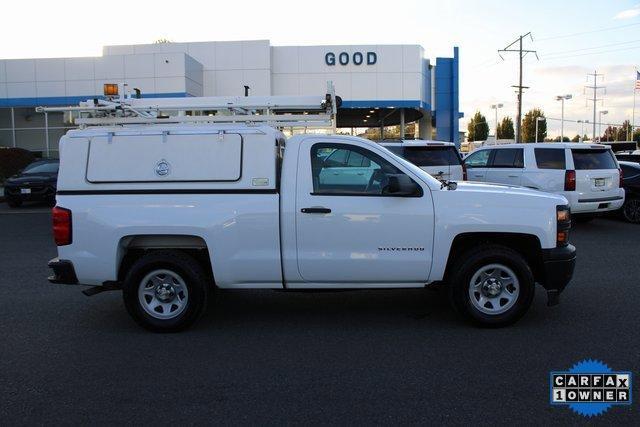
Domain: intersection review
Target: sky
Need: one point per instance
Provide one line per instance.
(572, 38)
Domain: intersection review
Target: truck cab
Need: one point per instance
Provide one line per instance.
(169, 212)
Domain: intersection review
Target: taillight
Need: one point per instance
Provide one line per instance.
(570, 180)
(621, 181)
(464, 172)
(61, 226)
(563, 224)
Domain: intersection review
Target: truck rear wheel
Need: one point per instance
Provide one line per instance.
(165, 291)
(491, 285)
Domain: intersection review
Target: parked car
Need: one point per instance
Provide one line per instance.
(588, 175)
(629, 156)
(36, 182)
(631, 183)
(440, 159)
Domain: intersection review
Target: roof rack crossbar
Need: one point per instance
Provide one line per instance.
(286, 111)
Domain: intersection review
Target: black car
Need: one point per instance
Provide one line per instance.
(36, 182)
(631, 184)
(629, 157)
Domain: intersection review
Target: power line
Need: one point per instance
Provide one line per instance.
(592, 48)
(590, 53)
(521, 54)
(561, 36)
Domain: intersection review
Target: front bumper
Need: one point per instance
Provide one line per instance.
(37, 192)
(559, 264)
(63, 272)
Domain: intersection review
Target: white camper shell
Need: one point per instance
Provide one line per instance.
(169, 156)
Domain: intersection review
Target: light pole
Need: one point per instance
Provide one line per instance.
(538, 120)
(562, 98)
(600, 123)
(495, 107)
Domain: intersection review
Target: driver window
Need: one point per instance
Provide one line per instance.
(340, 169)
(477, 159)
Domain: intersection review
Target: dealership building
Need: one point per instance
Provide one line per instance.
(380, 85)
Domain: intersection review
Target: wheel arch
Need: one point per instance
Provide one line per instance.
(132, 247)
(528, 245)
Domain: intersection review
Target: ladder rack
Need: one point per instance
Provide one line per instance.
(277, 111)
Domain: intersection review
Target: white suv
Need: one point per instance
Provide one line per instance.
(439, 159)
(588, 175)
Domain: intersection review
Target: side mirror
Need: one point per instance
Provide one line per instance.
(401, 185)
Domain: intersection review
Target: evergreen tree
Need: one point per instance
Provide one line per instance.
(478, 128)
(505, 129)
(529, 126)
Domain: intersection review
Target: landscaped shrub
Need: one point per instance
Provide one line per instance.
(12, 160)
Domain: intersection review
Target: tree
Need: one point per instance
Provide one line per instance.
(636, 135)
(505, 129)
(576, 138)
(624, 132)
(161, 41)
(478, 128)
(610, 134)
(529, 126)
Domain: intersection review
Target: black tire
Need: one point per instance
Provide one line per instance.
(13, 203)
(472, 261)
(194, 276)
(631, 210)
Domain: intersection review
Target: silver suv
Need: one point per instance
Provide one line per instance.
(588, 175)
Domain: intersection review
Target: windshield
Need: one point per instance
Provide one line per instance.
(593, 159)
(432, 156)
(42, 167)
(425, 176)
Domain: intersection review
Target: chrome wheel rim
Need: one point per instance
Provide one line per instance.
(163, 294)
(494, 289)
(632, 210)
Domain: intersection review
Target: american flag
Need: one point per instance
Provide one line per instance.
(637, 79)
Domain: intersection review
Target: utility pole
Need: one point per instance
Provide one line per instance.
(595, 98)
(521, 54)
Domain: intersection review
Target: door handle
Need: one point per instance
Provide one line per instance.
(360, 173)
(319, 210)
(513, 176)
(478, 175)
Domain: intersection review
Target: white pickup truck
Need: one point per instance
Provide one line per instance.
(169, 212)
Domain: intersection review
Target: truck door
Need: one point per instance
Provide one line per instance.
(506, 166)
(350, 232)
(477, 165)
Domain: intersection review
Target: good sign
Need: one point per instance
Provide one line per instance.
(343, 58)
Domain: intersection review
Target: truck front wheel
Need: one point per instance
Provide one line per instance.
(491, 285)
(165, 291)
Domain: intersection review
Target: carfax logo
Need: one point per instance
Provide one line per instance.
(590, 388)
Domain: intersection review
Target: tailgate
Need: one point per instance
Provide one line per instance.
(597, 175)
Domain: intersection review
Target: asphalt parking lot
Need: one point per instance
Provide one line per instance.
(296, 358)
